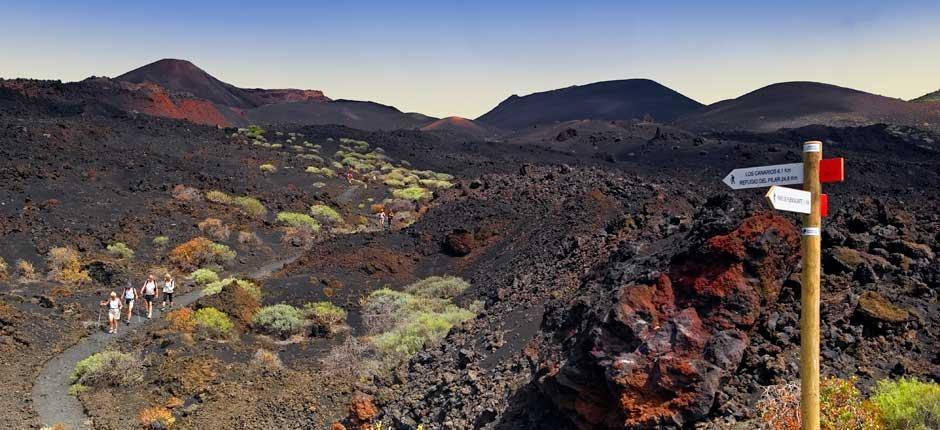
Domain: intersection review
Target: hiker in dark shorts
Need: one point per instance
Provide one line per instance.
(129, 295)
(149, 291)
(169, 286)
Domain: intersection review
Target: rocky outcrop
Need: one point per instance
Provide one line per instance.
(658, 355)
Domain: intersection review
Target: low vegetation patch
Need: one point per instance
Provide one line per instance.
(107, 368)
(65, 267)
(4, 270)
(199, 252)
(248, 238)
(322, 171)
(181, 320)
(412, 193)
(281, 320)
(325, 213)
(204, 276)
(908, 404)
(214, 228)
(161, 241)
(249, 205)
(266, 359)
(295, 219)
(213, 324)
(121, 250)
(406, 322)
(268, 168)
(156, 417)
(25, 272)
(326, 317)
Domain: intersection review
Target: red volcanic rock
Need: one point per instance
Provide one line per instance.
(362, 409)
(459, 243)
(659, 356)
(154, 100)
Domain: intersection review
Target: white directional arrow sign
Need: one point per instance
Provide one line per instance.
(790, 200)
(765, 176)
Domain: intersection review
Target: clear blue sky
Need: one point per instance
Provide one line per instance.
(462, 58)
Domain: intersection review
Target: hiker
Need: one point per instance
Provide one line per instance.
(169, 284)
(349, 175)
(114, 312)
(149, 291)
(129, 294)
(383, 218)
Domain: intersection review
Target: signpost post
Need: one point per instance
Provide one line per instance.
(809, 296)
(813, 204)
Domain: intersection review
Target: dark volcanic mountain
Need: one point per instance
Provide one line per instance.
(182, 76)
(613, 100)
(351, 113)
(797, 104)
(928, 98)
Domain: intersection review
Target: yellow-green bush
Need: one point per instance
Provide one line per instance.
(440, 287)
(107, 368)
(204, 276)
(908, 404)
(436, 184)
(294, 219)
(325, 316)
(4, 270)
(268, 168)
(406, 322)
(842, 407)
(212, 323)
(322, 171)
(325, 213)
(279, 320)
(251, 206)
(64, 266)
(161, 241)
(121, 250)
(218, 197)
(412, 193)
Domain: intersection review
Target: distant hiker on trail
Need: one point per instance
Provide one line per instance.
(149, 291)
(114, 311)
(383, 218)
(349, 175)
(130, 294)
(169, 285)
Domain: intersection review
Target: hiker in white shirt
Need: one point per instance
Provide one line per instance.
(169, 285)
(114, 311)
(149, 291)
(129, 294)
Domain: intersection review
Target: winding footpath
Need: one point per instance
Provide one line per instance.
(51, 398)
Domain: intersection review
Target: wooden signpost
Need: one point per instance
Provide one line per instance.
(814, 205)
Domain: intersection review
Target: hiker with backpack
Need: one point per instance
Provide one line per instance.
(114, 312)
(149, 291)
(169, 285)
(129, 295)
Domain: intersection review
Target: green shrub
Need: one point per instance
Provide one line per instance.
(322, 171)
(436, 184)
(294, 219)
(408, 338)
(4, 268)
(121, 250)
(908, 404)
(204, 276)
(395, 183)
(251, 206)
(212, 323)
(440, 287)
(325, 213)
(280, 320)
(407, 321)
(161, 241)
(325, 315)
(222, 253)
(842, 406)
(218, 197)
(412, 193)
(107, 368)
(267, 168)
